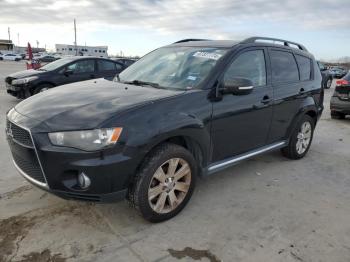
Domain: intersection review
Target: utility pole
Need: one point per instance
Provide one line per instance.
(18, 39)
(75, 37)
(37, 44)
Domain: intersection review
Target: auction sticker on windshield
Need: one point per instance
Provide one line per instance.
(207, 55)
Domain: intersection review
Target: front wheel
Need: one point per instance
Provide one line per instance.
(300, 141)
(165, 183)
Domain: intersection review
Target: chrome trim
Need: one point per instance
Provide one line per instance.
(36, 182)
(225, 163)
(46, 185)
(245, 87)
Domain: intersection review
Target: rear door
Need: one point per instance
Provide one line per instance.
(290, 89)
(108, 69)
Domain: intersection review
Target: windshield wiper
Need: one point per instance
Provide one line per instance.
(143, 83)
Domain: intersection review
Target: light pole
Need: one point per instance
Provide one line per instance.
(75, 38)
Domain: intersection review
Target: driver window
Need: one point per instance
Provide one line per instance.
(85, 66)
(249, 65)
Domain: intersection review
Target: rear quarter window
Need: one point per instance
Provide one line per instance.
(284, 67)
(304, 64)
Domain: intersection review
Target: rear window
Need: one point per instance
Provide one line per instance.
(304, 64)
(104, 65)
(284, 67)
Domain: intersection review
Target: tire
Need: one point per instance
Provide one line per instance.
(153, 198)
(337, 115)
(42, 88)
(328, 83)
(300, 141)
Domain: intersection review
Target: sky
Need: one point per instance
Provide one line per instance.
(139, 26)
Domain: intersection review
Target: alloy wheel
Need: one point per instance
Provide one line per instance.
(169, 185)
(304, 137)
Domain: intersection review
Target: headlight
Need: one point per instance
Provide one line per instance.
(88, 140)
(24, 80)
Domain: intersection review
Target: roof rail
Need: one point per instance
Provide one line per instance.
(190, 40)
(285, 42)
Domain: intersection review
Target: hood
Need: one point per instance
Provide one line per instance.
(85, 105)
(26, 73)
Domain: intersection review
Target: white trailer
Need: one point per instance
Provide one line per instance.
(72, 50)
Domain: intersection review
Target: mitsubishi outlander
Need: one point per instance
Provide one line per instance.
(185, 110)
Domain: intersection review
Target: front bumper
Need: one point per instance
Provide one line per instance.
(338, 105)
(17, 91)
(56, 169)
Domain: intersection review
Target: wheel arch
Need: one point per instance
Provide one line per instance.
(307, 108)
(197, 149)
(41, 83)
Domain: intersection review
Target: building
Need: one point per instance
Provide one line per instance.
(98, 51)
(24, 50)
(6, 46)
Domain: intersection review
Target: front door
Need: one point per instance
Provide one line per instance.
(242, 123)
(78, 71)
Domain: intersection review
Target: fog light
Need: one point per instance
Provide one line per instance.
(84, 180)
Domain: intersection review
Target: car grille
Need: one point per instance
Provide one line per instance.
(23, 152)
(19, 134)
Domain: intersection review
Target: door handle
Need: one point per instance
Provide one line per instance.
(266, 99)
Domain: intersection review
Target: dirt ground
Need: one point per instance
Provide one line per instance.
(265, 209)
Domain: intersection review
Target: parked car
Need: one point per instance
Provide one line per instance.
(338, 72)
(63, 71)
(191, 108)
(327, 77)
(126, 61)
(11, 57)
(340, 101)
(47, 59)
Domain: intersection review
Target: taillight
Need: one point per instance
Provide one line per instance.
(342, 82)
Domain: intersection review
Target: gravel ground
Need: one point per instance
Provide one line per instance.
(265, 209)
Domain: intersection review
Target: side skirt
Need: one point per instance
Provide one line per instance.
(220, 165)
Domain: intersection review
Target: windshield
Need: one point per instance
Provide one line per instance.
(173, 67)
(56, 64)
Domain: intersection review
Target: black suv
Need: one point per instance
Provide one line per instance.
(191, 108)
(60, 72)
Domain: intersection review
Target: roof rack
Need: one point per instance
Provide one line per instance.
(285, 42)
(190, 40)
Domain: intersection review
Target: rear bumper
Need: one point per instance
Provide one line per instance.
(342, 106)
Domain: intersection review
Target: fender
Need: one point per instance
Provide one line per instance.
(308, 105)
(181, 125)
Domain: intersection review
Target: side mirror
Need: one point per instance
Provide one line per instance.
(68, 72)
(237, 86)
